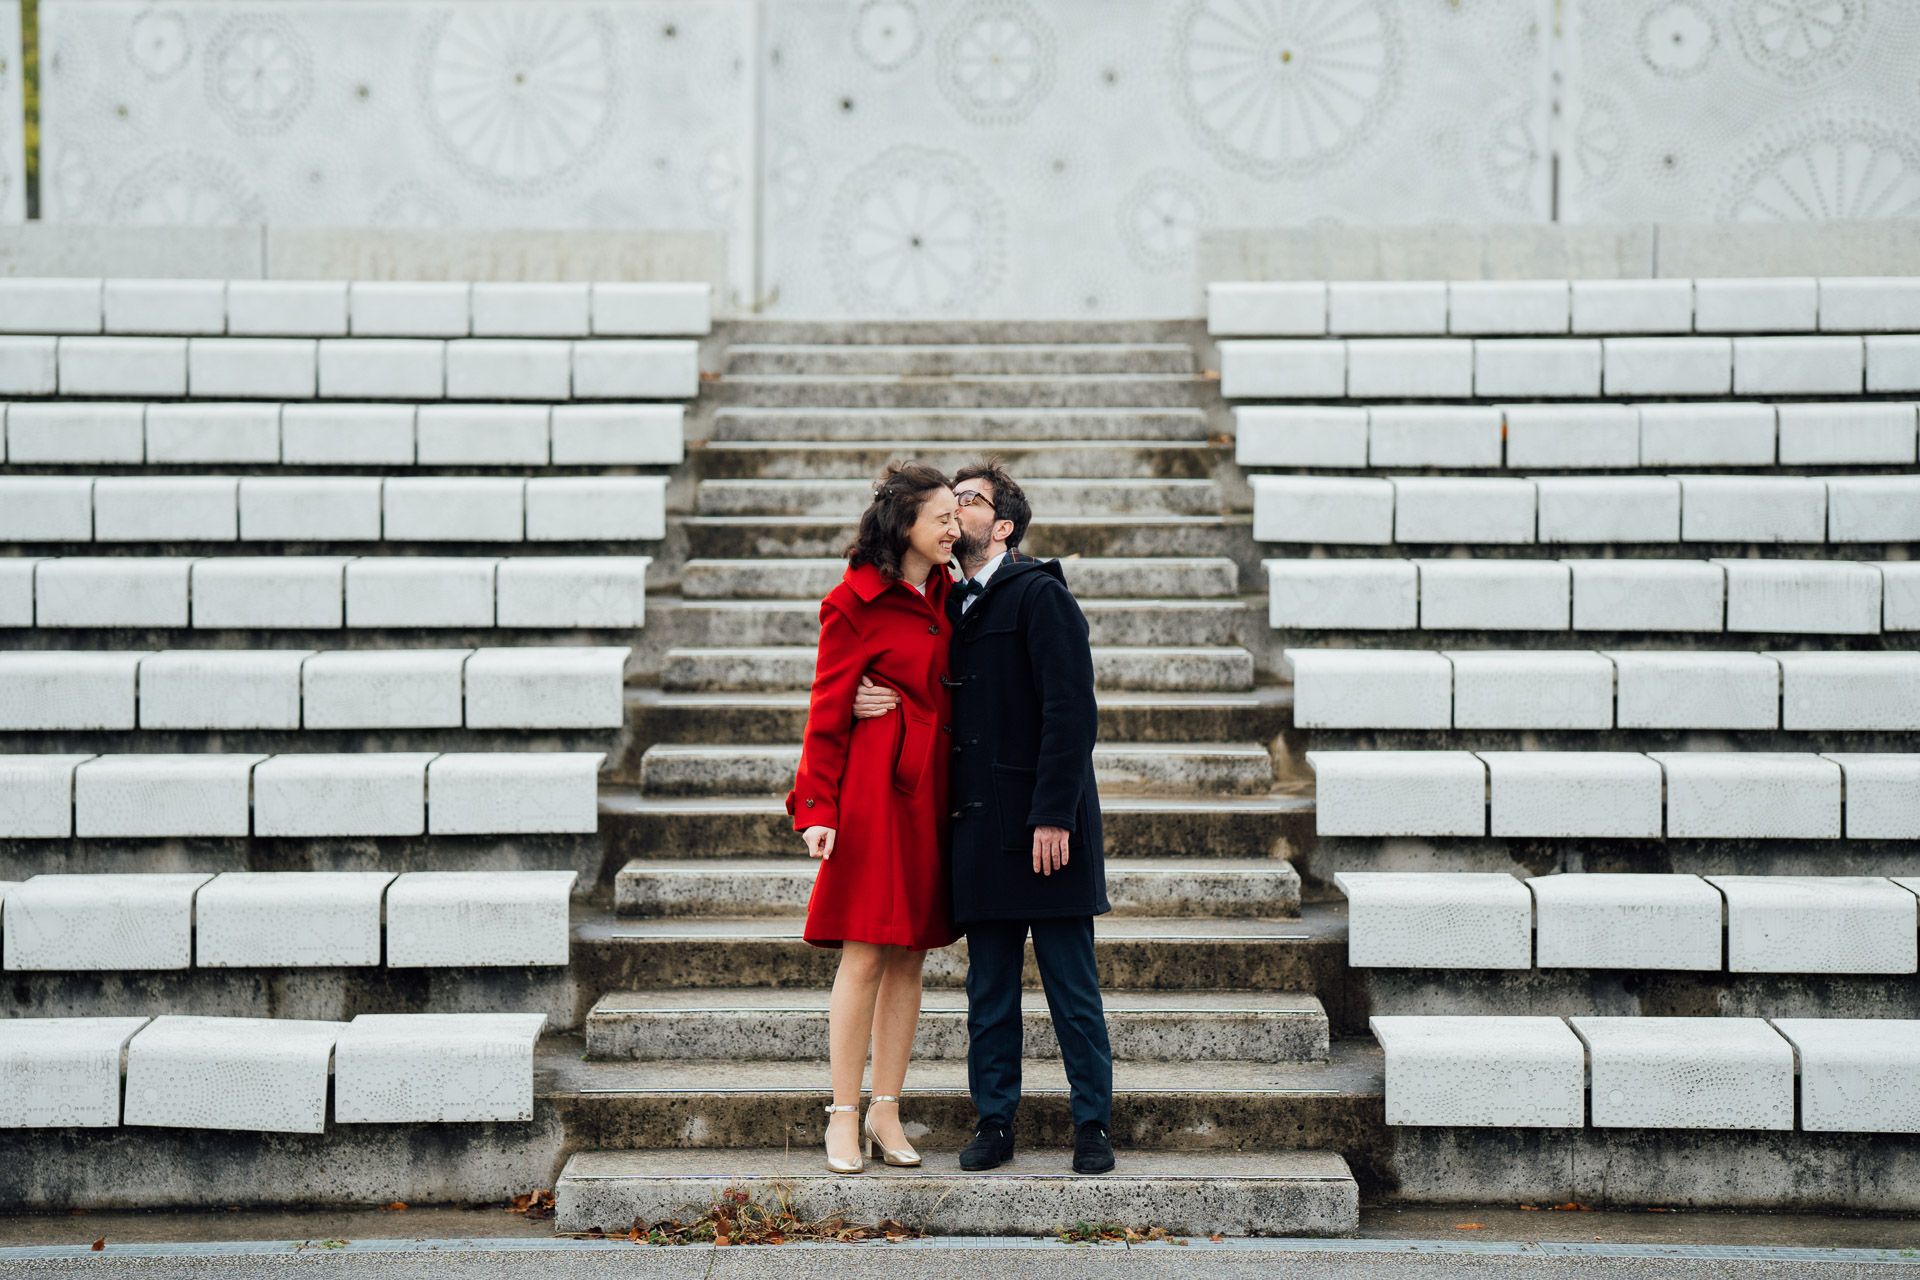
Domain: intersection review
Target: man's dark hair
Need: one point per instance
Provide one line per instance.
(1009, 501)
(881, 540)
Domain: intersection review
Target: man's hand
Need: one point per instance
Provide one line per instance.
(819, 841)
(1049, 849)
(873, 700)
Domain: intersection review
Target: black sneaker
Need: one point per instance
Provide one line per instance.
(992, 1146)
(1092, 1153)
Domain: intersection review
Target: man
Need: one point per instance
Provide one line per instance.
(1027, 853)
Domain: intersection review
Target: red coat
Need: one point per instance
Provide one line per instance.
(881, 784)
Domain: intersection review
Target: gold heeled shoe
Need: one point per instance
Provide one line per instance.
(899, 1157)
(856, 1165)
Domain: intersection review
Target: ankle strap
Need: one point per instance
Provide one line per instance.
(883, 1097)
(832, 1110)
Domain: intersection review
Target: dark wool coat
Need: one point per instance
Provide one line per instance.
(1024, 724)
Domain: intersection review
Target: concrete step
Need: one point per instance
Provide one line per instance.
(939, 360)
(762, 536)
(978, 424)
(1031, 459)
(1213, 578)
(856, 332)
(847, 498)
(1135, 886)
(967, 391)
(791, 1026)
(791, 667)
(1279, 825)
(733, 769)
(1297, 1193)
(694, 623)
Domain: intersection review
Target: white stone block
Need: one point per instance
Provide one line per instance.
(266, 1075)
(1632, 306)
(93, 923)
(1399, 793)
(1493, 595)
(347, 435)
(385, 689)
(1543, 367)
(409, 1068)
(50, 304)
(123, 366)
(483, 435)
(1487, 1072)
(1873, 508)
(1798, 366)
(455, 509)
(1893, 362)
(310, 509)
(652, 370)
(573, 591)
(1322, 509)
(1688, 689)
(1648, 595)
(1901, 592)
(1668, 366)
(1626, 921)
(1830, 434)
(165, 306)
(1755, 795)
(1386, 306)
(571, 688)
(382, 369)
(291, 308)
(1589, 509)
(1507, 306)
(420, 591)
(269, 368)
(116, 591)
(165, 509)
(1421, 368)
(290, 919)
(1298, 369)
(1753, 509)
(596, 508)
(1598, 794)
(503, 793)
(1857, 1075)
(1850, 690)
(191, 432)
(1883, 796)
(76, 432)
(459, 919)
(16, 591)
(619, 435)
(1531, 689)
(221, 689)
(29, 366)
(359, 794)
(62, 1073)
(1869, 304)
(1807, 597)
(36, 797)
(1818, 924)
(46, 509)
(1457, 509)
(1303, 436)
(163, 795)
(1436, 920)
(647, 308)
(1688, 1073)
(410, 309)
(1370, 689)
(1280, 308)
(268, 592)
(68, 689)
(1779, 304)
(1572, 436)
(1433, 436)
(1707, 435)
(510, 369)
(1343, 594)
(522, 309)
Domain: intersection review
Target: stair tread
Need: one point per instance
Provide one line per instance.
(1215, 750)
(847, 521)
(1267, 695)
(789, 1163)
(717, 445)
(837, 347)
(1315, 923)
(788, 650)
(735, 867)
(764, 999)
(1290, 797)
(869, 379)
(767, 604)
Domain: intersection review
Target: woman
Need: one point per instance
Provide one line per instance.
(870, 799)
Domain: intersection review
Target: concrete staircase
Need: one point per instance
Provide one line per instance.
(704, 1054)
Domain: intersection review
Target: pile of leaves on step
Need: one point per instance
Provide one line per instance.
(736, 1218)
(1116, 1233)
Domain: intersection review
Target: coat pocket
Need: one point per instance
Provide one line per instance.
(1012, 802)
(916, 743)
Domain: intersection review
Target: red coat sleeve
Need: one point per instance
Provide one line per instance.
(815, 798)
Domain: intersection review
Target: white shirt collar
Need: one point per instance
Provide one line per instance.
(986, 570)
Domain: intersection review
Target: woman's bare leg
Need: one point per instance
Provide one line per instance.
(850, 1019)
(896, 1014)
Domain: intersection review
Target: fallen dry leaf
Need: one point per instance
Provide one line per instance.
(1468, 1226)
(398, 1206)
(100, 1244)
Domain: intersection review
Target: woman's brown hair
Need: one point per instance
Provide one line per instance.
(881, 540)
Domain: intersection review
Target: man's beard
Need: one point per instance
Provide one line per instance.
(968, 549)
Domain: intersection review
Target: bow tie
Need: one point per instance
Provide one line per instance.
(969, 589)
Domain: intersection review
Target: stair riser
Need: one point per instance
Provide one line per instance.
(1115, 391)
(763, 331)
(694, 625)
(1126, 580)
(650, 722)
(1226, 670)
(1091, 461)
(801, 1036)
(923, 362)
(1134, 773)
(1058, 498)
(961, 423)
(751, 539)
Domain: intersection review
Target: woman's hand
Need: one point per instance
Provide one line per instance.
(819, 841)
(873, 700)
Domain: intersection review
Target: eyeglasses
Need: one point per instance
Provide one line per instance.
(968, 497)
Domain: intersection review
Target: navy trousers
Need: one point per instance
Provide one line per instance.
(1064, 948)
